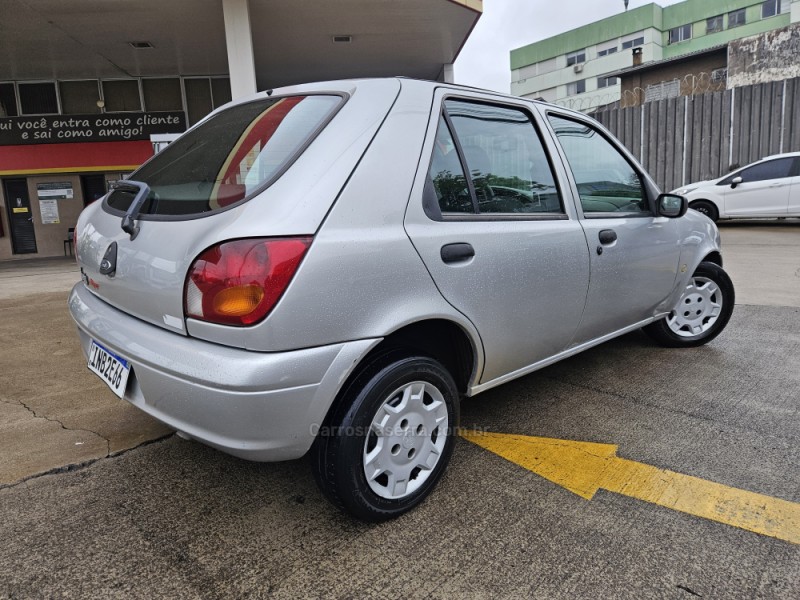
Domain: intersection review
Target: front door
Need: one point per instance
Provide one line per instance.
(634, 253)
(20, 217)
(764, 189)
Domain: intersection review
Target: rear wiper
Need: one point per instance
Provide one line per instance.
(142, 191)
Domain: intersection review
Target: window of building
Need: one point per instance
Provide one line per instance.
(660, 91)
(8, 100)
(162, 94)
(714, 24)
(576, 87)
(737, 18)
(38, 98)
(573, 58)
(604, 82)
(547, 66)
(507, 170)
(680, 34)
(770, 8)
(220, 91)
(718, 75)
(198, 98)
(606, 181)
(633, 43)
(606, 50)
(122, 95)
(79, 97)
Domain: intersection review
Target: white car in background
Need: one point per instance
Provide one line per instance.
(767, 188)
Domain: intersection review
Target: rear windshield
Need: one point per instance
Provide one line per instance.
(229, 157)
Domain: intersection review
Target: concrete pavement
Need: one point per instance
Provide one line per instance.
(177, 519)
(53, 412)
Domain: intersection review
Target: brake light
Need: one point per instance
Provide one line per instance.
(239, 282)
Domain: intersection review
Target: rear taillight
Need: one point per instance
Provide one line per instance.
(239, 282)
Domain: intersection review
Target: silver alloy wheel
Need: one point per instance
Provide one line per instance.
(698, 309)
(405, 440)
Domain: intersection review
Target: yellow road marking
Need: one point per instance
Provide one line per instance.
(585, 467)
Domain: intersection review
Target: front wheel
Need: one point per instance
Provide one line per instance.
(701, 313)
(707, 208)
(389, 439)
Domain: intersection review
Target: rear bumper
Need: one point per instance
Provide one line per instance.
(255, 405)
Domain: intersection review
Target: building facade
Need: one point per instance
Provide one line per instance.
(87, 88)
(578, 68)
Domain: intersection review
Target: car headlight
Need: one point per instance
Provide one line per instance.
(687, 190)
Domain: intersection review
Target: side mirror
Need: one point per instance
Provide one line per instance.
(672, 205)
(735, 181)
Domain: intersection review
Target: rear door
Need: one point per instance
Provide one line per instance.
(491, 225)
(634, 253)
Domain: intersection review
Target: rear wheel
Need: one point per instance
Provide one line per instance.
(388, 441)
(701, 313)
(707, 208)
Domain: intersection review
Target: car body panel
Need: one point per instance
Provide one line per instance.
(535, 292)
(778, 197)
(151, 270)
(496, 289)
(255, 405)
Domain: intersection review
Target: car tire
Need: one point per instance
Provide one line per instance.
(388, 440)
(701, 313)
(707, 208)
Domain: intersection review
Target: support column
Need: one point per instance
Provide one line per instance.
(239, 40)
(448, 74)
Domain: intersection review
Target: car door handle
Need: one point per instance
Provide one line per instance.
(607, 236)
(776, 185)
(459, 252)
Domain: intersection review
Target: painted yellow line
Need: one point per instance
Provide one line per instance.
(585, 467)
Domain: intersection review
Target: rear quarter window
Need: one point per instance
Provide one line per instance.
(230, 157)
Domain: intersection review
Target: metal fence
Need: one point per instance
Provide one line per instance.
(691, 138)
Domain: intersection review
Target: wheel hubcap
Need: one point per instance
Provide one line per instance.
(406, 440)
(697, 310)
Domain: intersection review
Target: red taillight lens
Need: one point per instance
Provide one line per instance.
(239, 282)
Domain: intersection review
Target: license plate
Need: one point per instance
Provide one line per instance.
(109, 367)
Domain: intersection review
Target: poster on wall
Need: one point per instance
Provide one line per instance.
(49, 211)
(54, 191)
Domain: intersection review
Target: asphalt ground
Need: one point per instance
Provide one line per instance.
(172, 518)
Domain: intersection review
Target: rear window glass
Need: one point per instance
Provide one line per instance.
(229, 157)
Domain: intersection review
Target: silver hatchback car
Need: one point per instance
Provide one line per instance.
(328, 268)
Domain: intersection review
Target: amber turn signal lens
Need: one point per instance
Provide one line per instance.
(238, 301)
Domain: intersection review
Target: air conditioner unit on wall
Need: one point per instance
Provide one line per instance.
(578, 68)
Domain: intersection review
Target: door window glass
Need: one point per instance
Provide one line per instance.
(447, 174)
(772, 169)
(607, 183)
(507, 164)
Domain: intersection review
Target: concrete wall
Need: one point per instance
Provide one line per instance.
(772, 56)
(695, 76)
(688, 139)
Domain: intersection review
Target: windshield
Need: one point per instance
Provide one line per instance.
(229, 157)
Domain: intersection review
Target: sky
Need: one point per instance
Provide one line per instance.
(508, 24)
